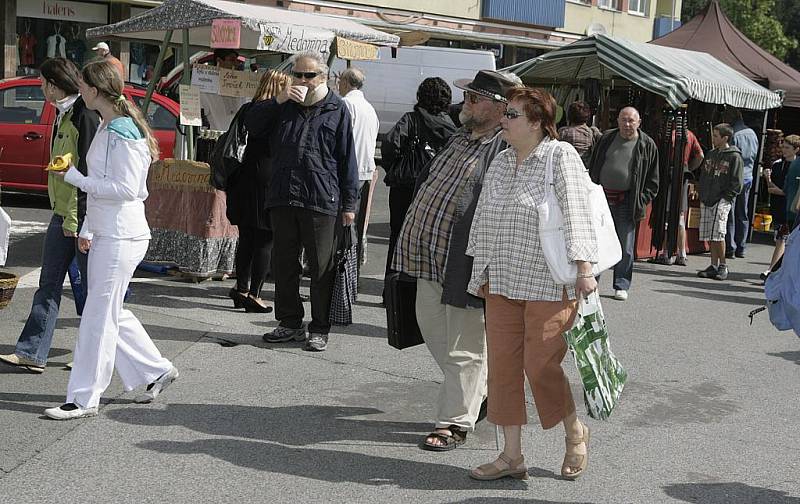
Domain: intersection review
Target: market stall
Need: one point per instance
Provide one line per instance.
(186, 214)
(610, 73)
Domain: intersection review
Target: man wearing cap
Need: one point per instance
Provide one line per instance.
(431, 247)
(102, 51)
(216, 110)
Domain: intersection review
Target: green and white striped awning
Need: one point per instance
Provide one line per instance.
(676, 74)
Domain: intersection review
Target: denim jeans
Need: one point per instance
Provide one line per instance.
(738, 222)
(59, 251)
(626, 231)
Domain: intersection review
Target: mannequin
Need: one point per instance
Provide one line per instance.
(56, 44)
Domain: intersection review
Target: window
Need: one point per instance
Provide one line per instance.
(638, 7)
(158, 117)
(21, 105)
(609, 4)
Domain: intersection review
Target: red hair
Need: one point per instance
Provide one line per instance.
(539, 106)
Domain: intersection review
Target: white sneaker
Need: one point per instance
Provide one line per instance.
(621, 295)
(69, 411)
(158, 386)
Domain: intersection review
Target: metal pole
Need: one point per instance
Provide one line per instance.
(751, 203)
(186, 78)
(151, 86)
(672, 19)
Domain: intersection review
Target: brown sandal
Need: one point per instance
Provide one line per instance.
(456, 438)
(489, 472)
(576, 461)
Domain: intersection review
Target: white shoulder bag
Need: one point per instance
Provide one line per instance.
(551, 230)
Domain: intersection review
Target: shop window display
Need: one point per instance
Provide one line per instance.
(39, 39)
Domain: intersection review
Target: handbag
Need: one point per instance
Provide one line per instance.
(228, 153)
(400, 296)
(345, 285)
(415, 153)
(551, 230)
(602, 375)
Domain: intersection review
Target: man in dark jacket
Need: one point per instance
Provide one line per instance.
(314, 179)
(432, 248)
(625, 163)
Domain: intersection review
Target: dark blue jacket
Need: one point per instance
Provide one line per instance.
(311, 151)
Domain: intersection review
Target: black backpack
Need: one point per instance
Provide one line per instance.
(228, 154)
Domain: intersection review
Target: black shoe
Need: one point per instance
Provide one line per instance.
(708, 272)
(721, 274)
(237, 297)
(740, 255)
(763, 276)
(729, 255)
(253, 305)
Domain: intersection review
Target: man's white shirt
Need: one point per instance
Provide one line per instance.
(365, 131)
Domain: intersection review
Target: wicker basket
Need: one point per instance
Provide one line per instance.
(8, 282)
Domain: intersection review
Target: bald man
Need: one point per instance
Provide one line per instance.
(365, 135)
(625, 163)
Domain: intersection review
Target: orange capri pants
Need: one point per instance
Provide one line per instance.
(524, 338)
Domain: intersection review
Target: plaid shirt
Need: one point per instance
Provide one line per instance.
(504, 239)
(424, 239)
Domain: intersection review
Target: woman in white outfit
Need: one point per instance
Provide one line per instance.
(116, 234)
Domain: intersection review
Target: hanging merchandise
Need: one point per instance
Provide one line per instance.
(75, 47)
(56, 44)
(27, 44)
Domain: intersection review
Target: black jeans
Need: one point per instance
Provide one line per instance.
(292, 229)
(253, 258)
(399, 200)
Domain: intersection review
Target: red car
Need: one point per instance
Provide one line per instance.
(26, 127)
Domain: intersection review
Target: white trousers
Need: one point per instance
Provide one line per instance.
(110, 336)
(456, 338)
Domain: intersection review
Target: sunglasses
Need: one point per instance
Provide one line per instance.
(304, 75)
(474, 98)
(510, 113)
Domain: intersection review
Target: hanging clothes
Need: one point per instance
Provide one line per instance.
(27, 44)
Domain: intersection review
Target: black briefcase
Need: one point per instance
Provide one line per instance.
(400, 296)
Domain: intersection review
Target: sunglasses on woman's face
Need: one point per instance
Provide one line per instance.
(304, 75)
(510, 113)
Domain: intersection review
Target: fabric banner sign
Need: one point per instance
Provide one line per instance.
(205, 78)
(190, 106)
(184, 175)
(226, 33)
(236, 83)
(352, 50)
(293, 39)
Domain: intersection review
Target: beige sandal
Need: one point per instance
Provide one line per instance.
(488, 472)
(576, 461)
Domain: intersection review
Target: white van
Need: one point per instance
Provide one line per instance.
(391, 83)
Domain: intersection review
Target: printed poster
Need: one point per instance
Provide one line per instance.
(190, 105)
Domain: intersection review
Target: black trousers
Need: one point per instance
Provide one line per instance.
(253, 258)
(399, 200)
(295, 228)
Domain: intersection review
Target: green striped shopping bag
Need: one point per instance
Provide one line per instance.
(602, 375)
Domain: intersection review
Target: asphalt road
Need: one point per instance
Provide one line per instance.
(709, 414)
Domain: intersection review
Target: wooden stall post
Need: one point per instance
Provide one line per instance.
(151, 86)
(186, 78)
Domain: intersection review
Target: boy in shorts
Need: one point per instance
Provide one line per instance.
(720, 182)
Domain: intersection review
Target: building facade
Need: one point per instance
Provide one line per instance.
(514, 30)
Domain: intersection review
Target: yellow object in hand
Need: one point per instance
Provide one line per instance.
(60, 163)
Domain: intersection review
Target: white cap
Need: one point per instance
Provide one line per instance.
(101, 45)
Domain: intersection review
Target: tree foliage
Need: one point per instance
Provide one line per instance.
(762, 21)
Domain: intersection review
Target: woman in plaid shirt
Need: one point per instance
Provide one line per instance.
(526, 311)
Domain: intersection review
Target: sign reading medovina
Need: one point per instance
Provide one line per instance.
(293, 39)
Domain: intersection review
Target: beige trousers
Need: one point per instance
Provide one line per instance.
(457, 341)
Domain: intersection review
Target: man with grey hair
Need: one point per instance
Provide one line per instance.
(625, 163)
(365, 134)
(314, 180)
